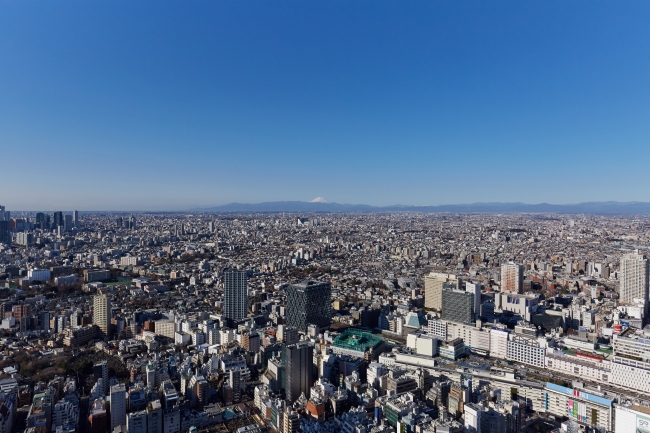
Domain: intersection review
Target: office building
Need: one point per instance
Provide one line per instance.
(100, 371)
(118, 406)
(433, 284)
(75, 218)
(457, 306)
(634, 277)
(309, 303)
(154, 417)
(67, 223)
(24, 239)
(475, 290)
(102, 313)
(57, 220)
(512, 278)
(297, 365)
(526, 351)
(631, 418)
(235, 295)
(39, 274)
(136, 422)
(5, 236)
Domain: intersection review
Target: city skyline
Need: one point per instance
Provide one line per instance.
(121, 107)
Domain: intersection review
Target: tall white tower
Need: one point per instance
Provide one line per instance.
(634, 277)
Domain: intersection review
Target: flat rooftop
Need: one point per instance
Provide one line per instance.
(355, 339)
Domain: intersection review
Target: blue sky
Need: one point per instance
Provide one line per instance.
(168, 105)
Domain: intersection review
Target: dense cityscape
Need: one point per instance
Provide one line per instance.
(323, 322)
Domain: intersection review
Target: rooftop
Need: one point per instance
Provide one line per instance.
(358, 340)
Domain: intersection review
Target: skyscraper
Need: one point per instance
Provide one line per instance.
(512, 277)
(235, 295)
(102, 313)
(5, 237)
(309, 303)
(67, 223)
(433, 288)
(57, 220)
(118, 406)
(297, 365)
(75, 218)
(475, 289)
(634, 277)
(457, 306)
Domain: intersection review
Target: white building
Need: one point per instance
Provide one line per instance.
(525, 350)
(499, 343)
(38, 274)
(630, 374)
(118, 406)
(437, 328)
(136, 422)
(632, 419)
(633, 277)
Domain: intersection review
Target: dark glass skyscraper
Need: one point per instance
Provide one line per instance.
(309, 303)
(297, 366)
(235, 305)
(5, 237)
(57, 220)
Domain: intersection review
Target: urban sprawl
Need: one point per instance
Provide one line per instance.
(354, 323)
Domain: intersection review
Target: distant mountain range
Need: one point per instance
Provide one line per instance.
(320, 205)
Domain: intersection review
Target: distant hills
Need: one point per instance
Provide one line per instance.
(320, 205)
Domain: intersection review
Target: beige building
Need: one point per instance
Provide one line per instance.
(512, 278)
(102, 313)
(433, 284)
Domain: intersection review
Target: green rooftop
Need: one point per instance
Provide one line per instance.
(355, 339)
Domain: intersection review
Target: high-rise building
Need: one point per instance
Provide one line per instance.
(75, 218)
(475, 289)
(634, 277)
(433, 288)
(67, 223)
(309, 303)
(102, 313)
(57, 220)
(100, 371)
(5, 236)
(512, 277)
(297, 365)
(457, 306)
(118, 406)
(132, 225)
(235, 295)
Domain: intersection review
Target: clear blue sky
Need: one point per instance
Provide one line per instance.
(136, 105)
